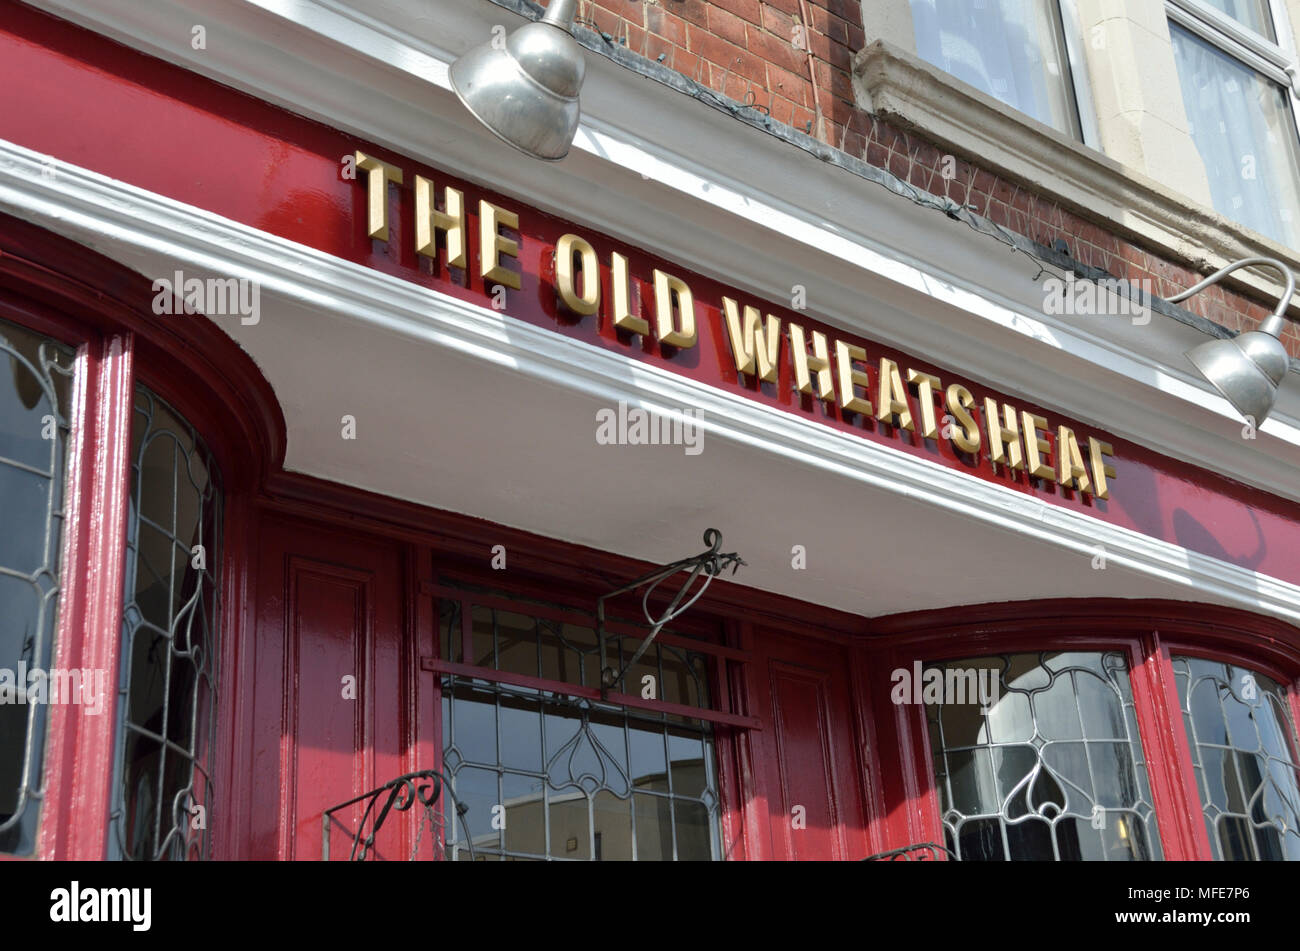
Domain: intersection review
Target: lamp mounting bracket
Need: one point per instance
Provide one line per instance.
(709, 563)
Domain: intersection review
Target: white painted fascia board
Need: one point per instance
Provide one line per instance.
(126, 221)
(921, 288)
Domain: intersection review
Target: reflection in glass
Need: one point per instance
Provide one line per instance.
(569, 778)
(1244, 757)
(1013, 50)
(1252, 14)
(1052, 770)
(162, 803)
(35, 393)
(1244, 131)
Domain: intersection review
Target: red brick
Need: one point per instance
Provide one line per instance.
(654, 45)
(836, 80)
(837, 29)
(735, 87)
(788, 6)
(774, 21)
(750, 10)
(877, 154)
(635, 37)
(782, 108)
(777, 50)
(803, 120)
(733, 58)
(693, 11)
(670, 27)
(688, 64)
(844, 9)
(788, 84)
(898, 164)
(727, 25)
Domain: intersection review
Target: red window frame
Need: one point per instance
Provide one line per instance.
(56, 287)
(1148, 632)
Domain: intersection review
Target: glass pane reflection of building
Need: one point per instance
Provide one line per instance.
(1244, 756)
(548, 776)
(1053, 770)
(36, 376)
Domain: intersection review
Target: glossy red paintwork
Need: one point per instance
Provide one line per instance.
(320, 580)
(56, 287)
(69, 93)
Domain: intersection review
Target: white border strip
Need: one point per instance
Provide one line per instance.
(90, 207)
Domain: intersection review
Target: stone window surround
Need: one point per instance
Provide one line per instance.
(893, 83)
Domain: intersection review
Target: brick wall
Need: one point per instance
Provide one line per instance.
(794, 57)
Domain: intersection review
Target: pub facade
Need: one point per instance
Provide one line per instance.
(740, 487)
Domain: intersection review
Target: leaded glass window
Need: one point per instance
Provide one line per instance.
(1052, 769)
(1244, 755)
(35, 394)
(553, 776)
(163, 796)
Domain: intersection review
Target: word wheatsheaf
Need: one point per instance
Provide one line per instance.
(836, 372)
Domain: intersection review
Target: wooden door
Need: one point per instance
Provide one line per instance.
(329, 720)
(807, 759)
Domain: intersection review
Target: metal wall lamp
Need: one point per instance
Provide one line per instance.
(709, 563)
(525, 90)
(1248, 368)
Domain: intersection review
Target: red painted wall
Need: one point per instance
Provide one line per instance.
(75, 95)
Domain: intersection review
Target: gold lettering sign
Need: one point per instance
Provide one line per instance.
(1018, 440)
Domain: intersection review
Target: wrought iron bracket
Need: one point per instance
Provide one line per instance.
(403, 792)
(928, 852)
(709, 563)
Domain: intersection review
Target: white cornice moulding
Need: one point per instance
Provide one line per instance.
(875, 265)
(116, 218)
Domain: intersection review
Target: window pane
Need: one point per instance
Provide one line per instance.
(1244, 758)
(581, 780)
(1052, 770)
(1010, 49)
(162, 805)
(1244, 132)
(1249, 13)
(35, 383)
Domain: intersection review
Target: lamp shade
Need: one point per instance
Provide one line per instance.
(1247, 370)
(526, 90)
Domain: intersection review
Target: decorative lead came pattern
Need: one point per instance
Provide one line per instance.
(1243, 754)
(163, 797)
(1053, 771)
(550, 776)
(34, 407)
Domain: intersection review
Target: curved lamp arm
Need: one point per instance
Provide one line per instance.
(1277, 320)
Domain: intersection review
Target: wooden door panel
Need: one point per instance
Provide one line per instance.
(810, 765)
(329, 710)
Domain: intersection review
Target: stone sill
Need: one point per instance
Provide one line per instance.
(913, 95)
